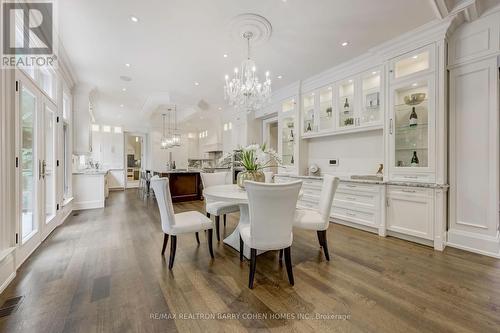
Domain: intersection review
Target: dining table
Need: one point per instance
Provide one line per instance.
(234, 194)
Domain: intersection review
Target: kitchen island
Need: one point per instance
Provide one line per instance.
(185, 185)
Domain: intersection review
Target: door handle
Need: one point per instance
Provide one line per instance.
(39, 169)
(44, 166)
(390, 126)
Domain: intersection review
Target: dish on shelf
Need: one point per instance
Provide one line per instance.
(414, 99)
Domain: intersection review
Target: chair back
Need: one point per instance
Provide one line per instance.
(269, 176)
(330, 184)
(213, 179)
(272, 210)
(164, 200)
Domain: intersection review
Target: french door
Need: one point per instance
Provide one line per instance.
(36, 165)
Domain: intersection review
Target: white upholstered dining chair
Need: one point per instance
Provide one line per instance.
(218, 208)
(271, 211)
(319, 219)
(175, 224)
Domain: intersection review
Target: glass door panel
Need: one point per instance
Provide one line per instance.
(48, 164)
(27, 121)
(326, 108)
(288, 139)
(412, 64)
(370, 110)
(346, 104)
(308, 112)
(411, 125)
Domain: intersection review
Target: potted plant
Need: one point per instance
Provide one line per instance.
(254, 159)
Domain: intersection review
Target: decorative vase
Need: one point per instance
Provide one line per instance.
(256, 176)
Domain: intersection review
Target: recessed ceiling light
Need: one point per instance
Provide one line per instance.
(414, 84)
(121, 105)
(225, 55)
(374, 72)
(345, 43)
(124, 89)
(415, 57)
(127, 65)
(279, 77)
(350, 81)
(220, 108)
(134, 19)
(197, 83)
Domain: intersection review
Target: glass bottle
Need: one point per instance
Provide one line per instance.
(346, 106)
(413, 117)
(414, 159)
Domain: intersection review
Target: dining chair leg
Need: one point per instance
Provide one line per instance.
(320, 240)
(241, 249)
(173, 246)
(165, 241)
(324, 243)
(288, 264)
(208, 215)
(217, 218)
(209, 239)
(253, 265)
(225, 218)
(197, 238)
(281, 255)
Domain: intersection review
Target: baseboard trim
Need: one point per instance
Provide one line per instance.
(88, 205)
(7, 282)
(477, 243)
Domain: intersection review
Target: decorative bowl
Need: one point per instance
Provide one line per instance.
(414, 99)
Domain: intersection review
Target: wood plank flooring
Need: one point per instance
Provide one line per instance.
(102, 272)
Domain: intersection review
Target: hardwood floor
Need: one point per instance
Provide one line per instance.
(102, 272)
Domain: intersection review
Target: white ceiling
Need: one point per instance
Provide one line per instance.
(178, 42)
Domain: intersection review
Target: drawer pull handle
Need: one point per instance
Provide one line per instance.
(350, 185)
(411, 177)
(350, 214)
(351, 198)
(409, 191)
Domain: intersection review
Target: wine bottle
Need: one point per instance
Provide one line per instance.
(291, 135)
(413, 117)
(414, 159)
(292, 161)
(346, 106)
(308, 129)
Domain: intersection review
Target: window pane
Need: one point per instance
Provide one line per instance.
(49, 165)
(47, 82)
(28, 167)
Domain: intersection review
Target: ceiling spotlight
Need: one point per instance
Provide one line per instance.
(415, 57)
(134, 19)
(196, 83)
(127, 65)
(220, 108)
(124, 89)
(345, 43)
(225, 55)
(414, 84)
(350, 81)
(373, 73)
(121, 105)
(279, 77)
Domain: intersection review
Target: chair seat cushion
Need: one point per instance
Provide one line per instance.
(190, 222)
(244, 230)
(310, 220)
(220, 208)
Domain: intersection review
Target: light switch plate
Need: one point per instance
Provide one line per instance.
(333, 162)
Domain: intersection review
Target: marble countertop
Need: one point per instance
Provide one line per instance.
(177, 171)
(90, 172)
(347, 179)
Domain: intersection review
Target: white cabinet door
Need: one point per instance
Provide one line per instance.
(82, 134)
(410, 211)
(116, 179)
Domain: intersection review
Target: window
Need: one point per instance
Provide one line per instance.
(95, 128)
(117, 129)
(47, 82)
(106, 128)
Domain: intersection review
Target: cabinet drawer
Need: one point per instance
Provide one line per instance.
(395, 190)
(360, 198)
(352, 187)
(312, 192)
(355, 216)
(421, 178)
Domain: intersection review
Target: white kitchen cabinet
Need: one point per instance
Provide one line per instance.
(410, 211)
(82, 133)
(412, 64)
(288, 136)
(116, 179)
(353, 104)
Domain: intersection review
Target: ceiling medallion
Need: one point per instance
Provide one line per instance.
(244, 89)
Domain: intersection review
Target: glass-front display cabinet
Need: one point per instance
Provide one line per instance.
(346, 104)
(326, 114)
(412, 64)
(371, 110)
(288, 136)
(308, 113)
(411, 128)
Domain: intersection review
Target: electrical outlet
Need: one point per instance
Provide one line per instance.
(334, 162)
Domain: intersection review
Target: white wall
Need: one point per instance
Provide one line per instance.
(359, 153)
(160, 157)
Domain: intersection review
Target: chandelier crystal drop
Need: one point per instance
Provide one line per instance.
(244, 90)
(170, 136)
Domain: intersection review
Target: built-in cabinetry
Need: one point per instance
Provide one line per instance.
(288, 136)
(82, 132)
(415, 213)
(353, 104)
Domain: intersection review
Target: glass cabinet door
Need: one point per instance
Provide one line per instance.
(288, 139)
(346, 104)
(414, 63)
(411, 125)
(326, 108)
(308, 113)
(370, 111)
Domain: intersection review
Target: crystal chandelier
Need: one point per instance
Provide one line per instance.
(170, 135)
(244, 89)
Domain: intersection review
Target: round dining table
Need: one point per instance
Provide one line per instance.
(235, 195)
